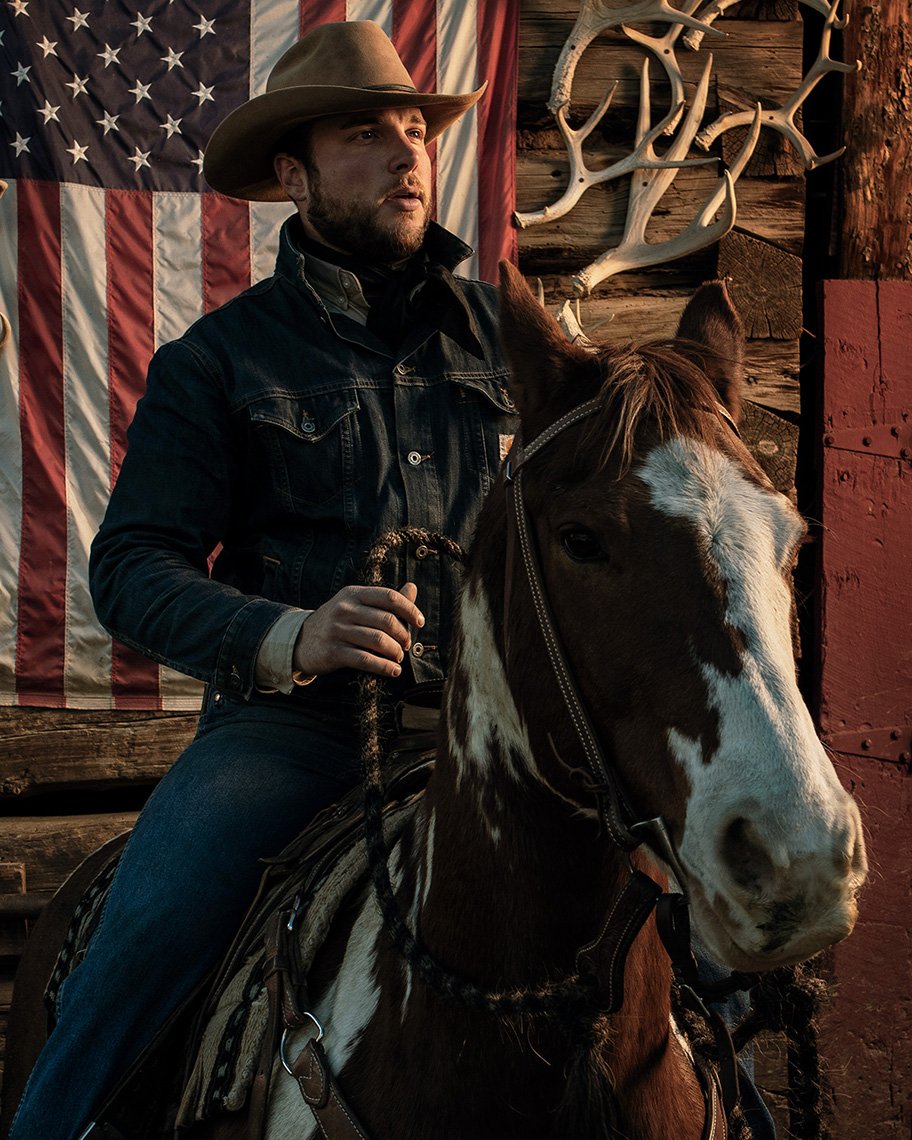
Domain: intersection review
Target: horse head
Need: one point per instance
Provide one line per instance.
(666, 557)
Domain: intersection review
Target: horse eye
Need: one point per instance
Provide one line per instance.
(581, 544)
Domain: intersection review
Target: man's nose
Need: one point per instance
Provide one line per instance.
(404, 155)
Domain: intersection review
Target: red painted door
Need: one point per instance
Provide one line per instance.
(866, 686)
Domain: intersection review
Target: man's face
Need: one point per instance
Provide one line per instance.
(368, 183)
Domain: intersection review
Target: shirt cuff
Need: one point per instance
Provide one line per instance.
(273, 668)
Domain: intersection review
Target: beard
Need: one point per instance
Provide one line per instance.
(355, 226)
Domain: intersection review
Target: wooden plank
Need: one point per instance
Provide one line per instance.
(866, 1032)
(51, 847)
(58, 749)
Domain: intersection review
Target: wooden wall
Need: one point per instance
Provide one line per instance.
(71, 780)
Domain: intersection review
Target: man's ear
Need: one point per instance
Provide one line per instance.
(291, 175)
(541, 359)
(713, 336)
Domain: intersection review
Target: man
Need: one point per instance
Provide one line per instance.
(358, 390)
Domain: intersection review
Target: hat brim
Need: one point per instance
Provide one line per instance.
(238, 158)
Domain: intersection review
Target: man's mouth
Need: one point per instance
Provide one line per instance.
(406, 198)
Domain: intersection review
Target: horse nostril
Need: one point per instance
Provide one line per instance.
(747, 859)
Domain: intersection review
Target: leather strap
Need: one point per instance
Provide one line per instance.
(335, 1119)
(606, 955)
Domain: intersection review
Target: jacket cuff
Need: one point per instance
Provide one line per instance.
(236, 665)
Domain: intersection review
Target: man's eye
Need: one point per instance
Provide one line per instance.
(582, 545)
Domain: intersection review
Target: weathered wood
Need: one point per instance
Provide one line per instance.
(57, 749)
(877, 167)
(765, 286)
(51, 847)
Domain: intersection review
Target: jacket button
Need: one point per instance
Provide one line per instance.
(414, 457)
(234, 678)
(308, 426)
(422, 551)
(216, 698)
(417, 649)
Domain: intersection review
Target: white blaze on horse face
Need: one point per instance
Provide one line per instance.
(772, 843)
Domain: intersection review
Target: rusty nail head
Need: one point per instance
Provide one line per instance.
(894, 734)
(905, 453)
(866, 744)
(828, 440)
(844, 476)
(906, 757)
(866, 440)
(894, 430)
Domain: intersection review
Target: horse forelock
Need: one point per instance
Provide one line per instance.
(648, 391)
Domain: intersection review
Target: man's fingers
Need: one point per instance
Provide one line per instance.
(409, 591)
(395, 602)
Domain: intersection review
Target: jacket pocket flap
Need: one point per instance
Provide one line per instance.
(310, 418)
(493, 388)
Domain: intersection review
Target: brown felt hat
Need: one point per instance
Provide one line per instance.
(334, 69)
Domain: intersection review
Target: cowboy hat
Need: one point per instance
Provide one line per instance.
(335, 68)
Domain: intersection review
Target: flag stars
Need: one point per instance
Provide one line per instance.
(79, 19)
(20, 7)
(141, 24)
(172, 59)
(203, 93)
(49, 112)
(78, 85)
(78, 152)
(109, 55)
(139, 159)
(109, 122)
(171, 126)
(48, 47)
(141, 91)
(21, 144)
(204, 27)
(21, 74)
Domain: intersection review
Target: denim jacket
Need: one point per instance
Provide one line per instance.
(287, 437)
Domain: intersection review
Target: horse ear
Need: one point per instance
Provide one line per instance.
(714, 338)
(540, 357)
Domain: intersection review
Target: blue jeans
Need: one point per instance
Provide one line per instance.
(247, 784)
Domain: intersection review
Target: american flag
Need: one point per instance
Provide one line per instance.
(111, 244)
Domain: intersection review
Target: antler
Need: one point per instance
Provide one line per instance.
(594, 18)
(648, 187)
(782, 118)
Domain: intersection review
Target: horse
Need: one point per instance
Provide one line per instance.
(621, 711)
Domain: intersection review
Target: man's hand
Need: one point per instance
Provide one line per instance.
(361, 627)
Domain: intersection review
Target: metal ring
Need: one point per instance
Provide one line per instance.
(320, 1035)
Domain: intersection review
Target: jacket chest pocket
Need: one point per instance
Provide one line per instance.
(312, 446)
(490, 420)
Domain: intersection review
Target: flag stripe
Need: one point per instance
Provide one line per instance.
(88, 463)
(314, 12)
(131, 341)
(273, 30)
(226, 249)
(377, 10)
(42, 573)
(457, 179)
(10, 447)
(177, 270)
(498, 47)
(265, 220)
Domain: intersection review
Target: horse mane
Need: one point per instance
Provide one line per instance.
(656, 386)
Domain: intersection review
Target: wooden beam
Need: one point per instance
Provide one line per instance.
(877, 166)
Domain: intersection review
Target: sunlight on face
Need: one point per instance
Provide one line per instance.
(369, 179)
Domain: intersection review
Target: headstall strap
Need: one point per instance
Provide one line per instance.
(613, 806)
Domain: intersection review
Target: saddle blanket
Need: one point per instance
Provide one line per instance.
(320, 868)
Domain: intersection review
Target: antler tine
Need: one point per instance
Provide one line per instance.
(663, 48)
(648, 185)
(782, 119)
(693, 37)
(594, 17)
(643, 157)
(734, 171)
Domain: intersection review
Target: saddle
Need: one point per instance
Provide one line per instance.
(226, 1032)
